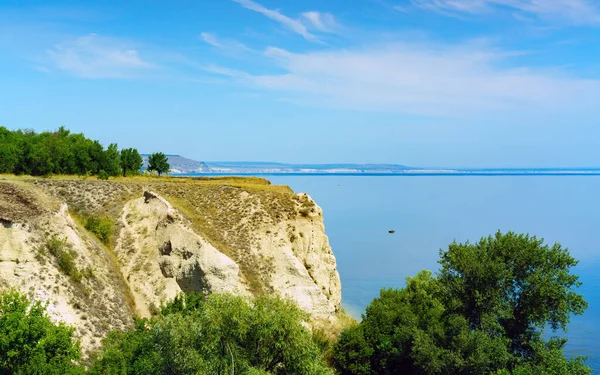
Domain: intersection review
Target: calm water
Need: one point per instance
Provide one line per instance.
(428, 213)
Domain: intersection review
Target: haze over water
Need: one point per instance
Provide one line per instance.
(428, 213)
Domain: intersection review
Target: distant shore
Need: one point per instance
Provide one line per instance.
(421, 172)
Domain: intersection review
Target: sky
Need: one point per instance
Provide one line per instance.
(452, 83)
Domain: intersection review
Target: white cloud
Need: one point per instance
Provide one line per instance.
(294, 25)
(578, 12)
(93, 56)
(432, 80)
(211, 39)
(324, 22)
(224, 44)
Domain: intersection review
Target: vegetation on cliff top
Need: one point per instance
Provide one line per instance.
(60, 152)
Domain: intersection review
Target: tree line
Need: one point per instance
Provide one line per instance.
(484, 313)
(62, 152)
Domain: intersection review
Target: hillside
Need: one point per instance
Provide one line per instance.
(164, 236)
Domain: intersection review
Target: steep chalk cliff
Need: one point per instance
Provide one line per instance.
(95, 304)
(240, 236)
(161, 256)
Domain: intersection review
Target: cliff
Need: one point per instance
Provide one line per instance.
(168, 235)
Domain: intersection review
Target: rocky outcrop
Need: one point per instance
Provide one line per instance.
(161, 256)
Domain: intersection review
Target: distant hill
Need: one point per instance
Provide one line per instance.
(181, 165)
(272, 167)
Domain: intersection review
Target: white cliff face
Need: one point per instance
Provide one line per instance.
(161, 256)
(268, 244)
(304, 268)
(93, 305)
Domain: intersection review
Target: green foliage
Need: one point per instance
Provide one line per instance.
(30, 343)
(101, 227)
(483, 314)
(64, 257)
(59, 152)
(217, 334)
(102, 175)
(514, 281)
(111, 161)
(131, 161)
(550, 360)
(158, 162)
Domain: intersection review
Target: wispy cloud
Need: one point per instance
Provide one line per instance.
(324, 22)
(93, 56)
(433, 80)
(211, 39)
(228, 45)
(292, 24)
(578, 12)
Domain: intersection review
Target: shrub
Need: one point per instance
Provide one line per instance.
(217, 334)
(101, 227)
(56, 245)
(30, 343)
(64, 257)
(103, 175)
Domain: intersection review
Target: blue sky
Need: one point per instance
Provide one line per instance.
(417, 82)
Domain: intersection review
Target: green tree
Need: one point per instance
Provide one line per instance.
(131, 161)
(410, 331)
(218, 334)
(30, 343)
(111, 160)
(158, 162)
(484, 313)
(513, 280)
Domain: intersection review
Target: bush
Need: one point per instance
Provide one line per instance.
(101, 227)
(64, 257)
(217, 334)
(103, 175)
(30, 343)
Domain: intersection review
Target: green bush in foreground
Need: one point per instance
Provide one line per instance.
(221, 334)
(30, 344)
(483, 314)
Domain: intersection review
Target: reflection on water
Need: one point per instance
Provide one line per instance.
(427, 213)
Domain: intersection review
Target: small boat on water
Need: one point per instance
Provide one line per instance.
(391, 231)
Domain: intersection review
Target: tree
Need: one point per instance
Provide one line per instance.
(515, 281)
(484, 313)
(158, 162)
(60, 152)
(30, 343)
(410, 331)
(217, 334)
(131, 161)
(111, 160)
